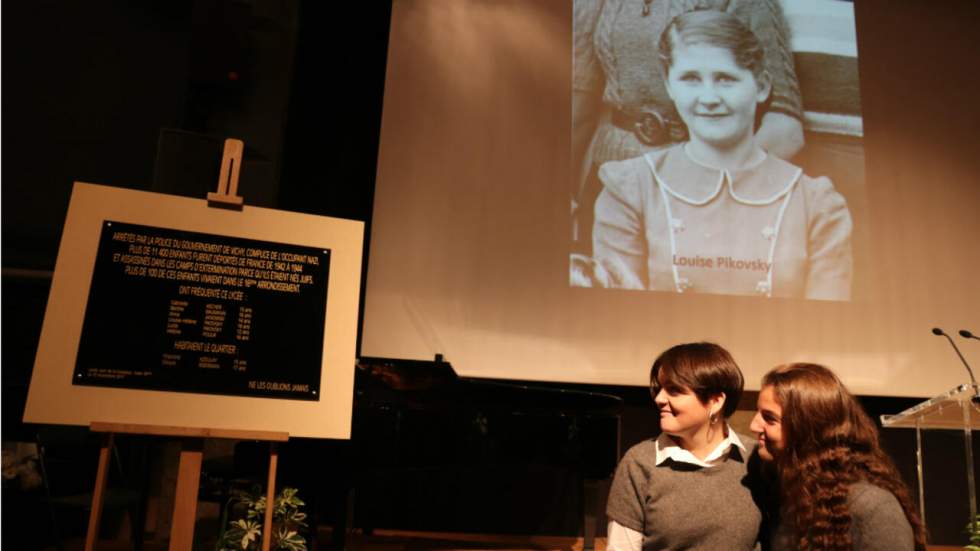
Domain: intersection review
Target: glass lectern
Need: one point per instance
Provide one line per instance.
(953, 410)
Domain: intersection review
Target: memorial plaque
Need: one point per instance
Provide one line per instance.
(193, 312)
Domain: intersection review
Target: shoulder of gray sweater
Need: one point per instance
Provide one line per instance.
(644, 452)
(878, 520)
(867, 496)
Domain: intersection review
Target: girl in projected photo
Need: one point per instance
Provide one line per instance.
(836, 487)
(718, 214)
(688, 488)
(620, 106)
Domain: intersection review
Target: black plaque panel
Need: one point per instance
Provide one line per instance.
(194, 312)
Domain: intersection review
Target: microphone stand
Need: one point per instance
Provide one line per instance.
(976, 389)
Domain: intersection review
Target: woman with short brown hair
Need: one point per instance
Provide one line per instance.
(687, 488)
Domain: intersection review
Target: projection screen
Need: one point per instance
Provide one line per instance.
(488, 245)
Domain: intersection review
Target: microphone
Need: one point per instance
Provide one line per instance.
(967, 335)
(976, 389)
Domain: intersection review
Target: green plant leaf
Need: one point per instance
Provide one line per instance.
(291, 540)
(288, 521)
(252, 533)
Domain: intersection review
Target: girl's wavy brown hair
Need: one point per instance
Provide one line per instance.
(829, 444)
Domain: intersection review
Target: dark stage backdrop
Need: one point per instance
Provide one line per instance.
(92, 85)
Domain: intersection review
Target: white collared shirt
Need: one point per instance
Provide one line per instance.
(621, 538)
(668, 448)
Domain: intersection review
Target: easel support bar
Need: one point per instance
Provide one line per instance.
(190, 432)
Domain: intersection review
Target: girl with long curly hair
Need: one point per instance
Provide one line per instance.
(836, 487)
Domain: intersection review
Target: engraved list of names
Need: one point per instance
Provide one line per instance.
(191, 312)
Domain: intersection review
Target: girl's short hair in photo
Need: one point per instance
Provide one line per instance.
(713, 28)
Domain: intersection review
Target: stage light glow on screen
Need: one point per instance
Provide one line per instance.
(480, 214)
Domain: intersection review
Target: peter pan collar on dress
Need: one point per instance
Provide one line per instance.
(763, 181)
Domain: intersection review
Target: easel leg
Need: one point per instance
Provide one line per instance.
(185, 500)
(589, 518)
(95, 516)
(270, 497)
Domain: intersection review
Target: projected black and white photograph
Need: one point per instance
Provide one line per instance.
(717, 148)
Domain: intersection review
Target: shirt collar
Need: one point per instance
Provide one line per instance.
(763, 181)
(667, 448)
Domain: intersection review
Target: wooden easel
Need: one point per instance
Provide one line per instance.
(188, 476)
(191, 453)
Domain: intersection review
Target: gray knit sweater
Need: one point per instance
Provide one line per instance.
(683, 506)
(878, 523)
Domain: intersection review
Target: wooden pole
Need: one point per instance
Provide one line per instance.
(185, 500)
(270, 497)
(98, 493)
